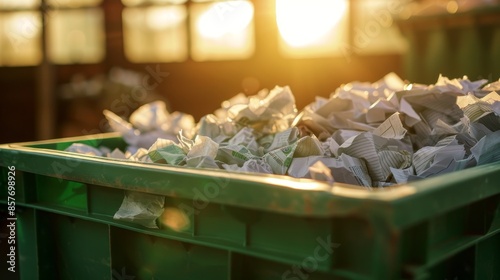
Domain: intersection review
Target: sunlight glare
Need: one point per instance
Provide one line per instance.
(223, 19)
(307, 22)
(160, 18)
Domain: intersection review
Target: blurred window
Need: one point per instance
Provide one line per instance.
(75, 31)
(70, 24)
(312, 28)
(155, 33)
(19, 4)
(157, 30)
(222, 30)
(203, 30)
(20, 31)
(20, 38)
(73, 3)
(319, 28)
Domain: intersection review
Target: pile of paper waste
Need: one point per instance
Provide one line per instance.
(372, 135)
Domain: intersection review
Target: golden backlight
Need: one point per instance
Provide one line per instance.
(155, 34)
(313, 26)
(19, 4)
(222, 30)
(73, 3)
(20, 42)
(305, 22)
(219, 20)
(76, 36)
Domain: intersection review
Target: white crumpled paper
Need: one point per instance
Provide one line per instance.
(150, 122)
(368, 134)
(141, 208)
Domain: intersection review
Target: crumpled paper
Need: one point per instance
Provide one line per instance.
(141, 208)
(368, 134)
(372, 135)
(150, 122)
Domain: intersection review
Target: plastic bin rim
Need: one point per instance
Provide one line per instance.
(401, 205)
(338, 189)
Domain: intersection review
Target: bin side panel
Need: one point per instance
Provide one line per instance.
(81, 248)
(149, 257)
